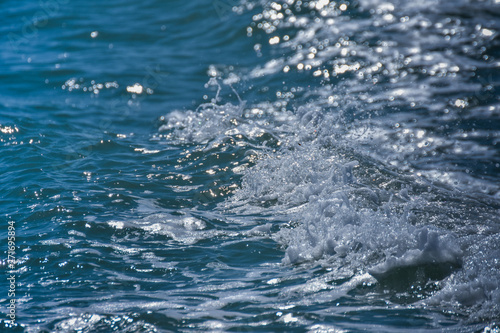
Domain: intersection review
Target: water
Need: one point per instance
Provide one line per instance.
(250, 166)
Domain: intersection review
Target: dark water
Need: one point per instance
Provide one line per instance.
(250, 166)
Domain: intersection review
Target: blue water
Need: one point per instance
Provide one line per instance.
(183, 166)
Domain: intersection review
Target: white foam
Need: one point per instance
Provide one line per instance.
(215, 123)
(431, 249)
(349, 212)
(361, 166)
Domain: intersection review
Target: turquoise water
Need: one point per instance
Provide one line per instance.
(257, 166)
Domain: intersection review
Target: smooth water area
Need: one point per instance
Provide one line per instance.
(257, 166)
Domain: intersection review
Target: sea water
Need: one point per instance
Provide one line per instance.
(260, 166)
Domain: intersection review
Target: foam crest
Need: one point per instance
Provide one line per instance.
(357, 171)
(474, 289)
(431, 248)
(346, 210)
(212, 123)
